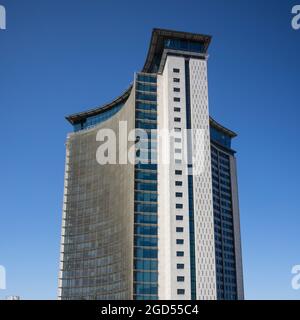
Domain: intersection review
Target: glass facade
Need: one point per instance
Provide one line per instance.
(97, 227)
(99, 118)
(223, 225)
(184, 45)
(220, 137)
(145, 286)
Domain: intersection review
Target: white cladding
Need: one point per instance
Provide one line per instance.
(167, 200)
(202, 183)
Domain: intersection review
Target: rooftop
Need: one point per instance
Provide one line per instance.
(157, 44)
(156, 48)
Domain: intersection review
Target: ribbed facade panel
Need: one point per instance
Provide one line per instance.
(97, 236)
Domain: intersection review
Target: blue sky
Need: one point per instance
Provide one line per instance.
(60, 57)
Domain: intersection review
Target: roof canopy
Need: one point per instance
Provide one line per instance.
(157, 43)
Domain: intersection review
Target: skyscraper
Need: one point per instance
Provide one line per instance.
(152, 229)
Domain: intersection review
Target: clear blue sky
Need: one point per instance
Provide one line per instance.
(60, 57)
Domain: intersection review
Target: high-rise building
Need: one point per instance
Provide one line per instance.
(153, 229)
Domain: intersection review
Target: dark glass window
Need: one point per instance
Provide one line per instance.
(144, 218)
(145, 241)
(146, 289)
(145, 230)
(179, 218)
(145, 276)
(178, 172)
(147, 78)
(145, 253)
(176, 79)
(180, 279)
(178, 183)
(177, 109)
(179, 206)
(176, 99)
(180, 254)
(220, 137)
(144, 96)
(184, 45)
(180, 266)
(179, 229)
(176, 89)
(178, 194)
(179, 241)
(180, 291)
(176, 70)
(146, 87)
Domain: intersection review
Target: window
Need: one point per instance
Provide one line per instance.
(178, 172)
(177, 109)
(179, 206)
(179, 253)
(179, 218)
(177, 140)
(179, 229)
(177, 119)
(176, 99)
(146, 289)
(176, 80)
(176, 89)
(178, 194)
(141, 264)
(145, 276)
(175, 70)
(178, 161)
(177, 150)
(145, 253)
(147, 78)
(145, 230)
(180, 279)
(180, 291)
(177, 129)
(178, 183)
(180, 266)
(179, 241)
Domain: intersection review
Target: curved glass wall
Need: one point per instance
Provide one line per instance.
(97, 243)
(99, 118)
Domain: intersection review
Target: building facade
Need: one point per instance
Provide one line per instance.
(151, 229)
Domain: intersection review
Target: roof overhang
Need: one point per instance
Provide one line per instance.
(221, 128)
(157, 43)
(77, 117)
